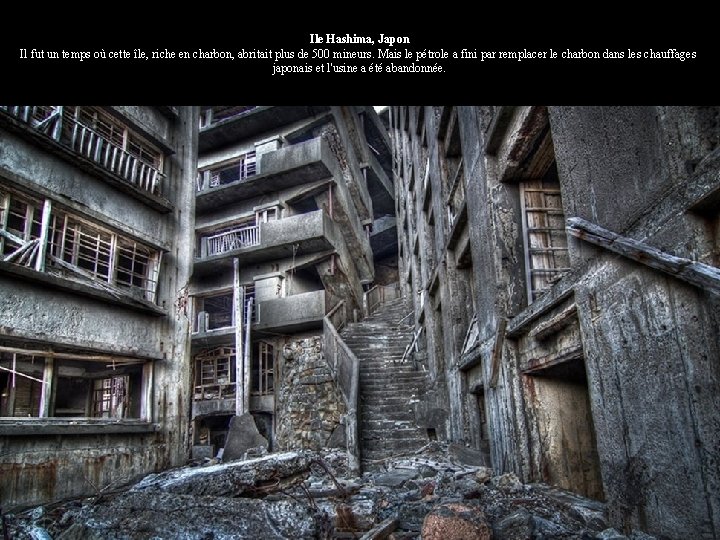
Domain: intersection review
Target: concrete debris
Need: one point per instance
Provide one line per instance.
(308, 494)
(243, 438)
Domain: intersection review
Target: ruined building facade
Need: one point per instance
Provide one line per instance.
(289, 204)
(563, 267)
(96, 253)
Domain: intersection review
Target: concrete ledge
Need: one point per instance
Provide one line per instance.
(76, 287)
(283, 168)
(72, 426)
(558, 293)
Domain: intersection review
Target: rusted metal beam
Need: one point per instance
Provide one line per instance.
(700, 275)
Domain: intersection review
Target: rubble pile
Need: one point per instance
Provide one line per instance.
(432, 494)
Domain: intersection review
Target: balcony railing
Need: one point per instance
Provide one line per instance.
(229, 240)
(85, 141)
(92, 145)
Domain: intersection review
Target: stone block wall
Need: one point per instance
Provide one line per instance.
(309, 407)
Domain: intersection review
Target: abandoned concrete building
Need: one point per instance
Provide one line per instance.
(562, 263)
(94, 208)
(537, 285)
(292, 208)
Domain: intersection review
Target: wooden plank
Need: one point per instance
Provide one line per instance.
(555, 324)
(71, 356)
(42, 241)
(382, 530)
(700, 275)
(46, 387)
(12, 237)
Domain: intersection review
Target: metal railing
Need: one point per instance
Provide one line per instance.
(380, 294)
(346, 372)
(229, 240)
(85, 141)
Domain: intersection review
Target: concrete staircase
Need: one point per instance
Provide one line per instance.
(387, 391)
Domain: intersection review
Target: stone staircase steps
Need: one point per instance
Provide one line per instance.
(389, 389)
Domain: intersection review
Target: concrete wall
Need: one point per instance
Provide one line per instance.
(36, 468)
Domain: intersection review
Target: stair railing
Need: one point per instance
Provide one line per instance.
(345, 368)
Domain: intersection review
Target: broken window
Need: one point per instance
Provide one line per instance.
(74, 245)
(20, 219)
(238, 168)
(101, 255)
(215, 373)
(112, 131)
(262, 373)
(110, 397)
(100, 137)
(240, 234)
(33, 386)
(545, 240)
(214, 312)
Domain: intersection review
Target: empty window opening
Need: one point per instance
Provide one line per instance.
(212, 431)
(432, 434)
(214, 312)
(262, 372)
(215, 374)
(73, 388)
(212, 115)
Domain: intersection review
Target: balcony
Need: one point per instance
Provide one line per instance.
(292, 236)
(292, 313)
(250, 122)
(287, 167)
(60, 132)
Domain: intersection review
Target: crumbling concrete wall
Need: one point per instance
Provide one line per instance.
(649, 338)
(309, 405)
